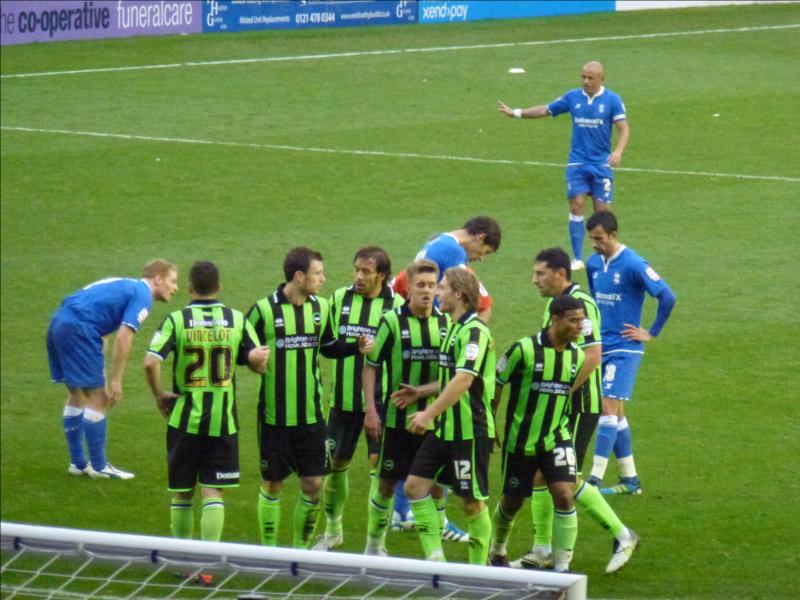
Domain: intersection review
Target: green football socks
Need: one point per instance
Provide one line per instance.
(501, 529)
(306, 515)
(181, 518)
(590, 499)
(480, 532)
(565, 532)
(337, 490)
(269, 517)
(542, 512)
(426, 522)
(212, 519)
(379, 513)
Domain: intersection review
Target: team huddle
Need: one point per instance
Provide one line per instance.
(414, 367)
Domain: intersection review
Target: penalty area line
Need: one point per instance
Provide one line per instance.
(386, 154)
(238, 61)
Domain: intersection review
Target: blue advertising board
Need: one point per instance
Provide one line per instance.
(452, 12)
(232, 15)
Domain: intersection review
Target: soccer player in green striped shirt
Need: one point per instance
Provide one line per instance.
(552, 275)
(356, 310)
(407, 349)
(456, 454)
(209, 340)
(295, 323)
(542, 370)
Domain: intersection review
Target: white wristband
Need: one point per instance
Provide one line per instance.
(517, 113)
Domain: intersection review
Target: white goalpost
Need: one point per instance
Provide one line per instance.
(51, 562)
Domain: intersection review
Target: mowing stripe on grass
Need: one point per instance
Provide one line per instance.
(473, 159)
(237, 61)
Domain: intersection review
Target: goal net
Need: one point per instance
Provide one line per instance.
(56, 563)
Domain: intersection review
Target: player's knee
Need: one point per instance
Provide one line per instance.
(511, 505)
(311, 486)
(563, 498)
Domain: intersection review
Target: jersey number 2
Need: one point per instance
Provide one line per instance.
(220, 371)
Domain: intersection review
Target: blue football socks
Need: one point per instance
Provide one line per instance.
(576, 234)
(73, 431)
(94, 428)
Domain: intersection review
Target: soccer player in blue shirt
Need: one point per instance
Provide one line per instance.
(618, 279)
(75, 351)
(594, 109)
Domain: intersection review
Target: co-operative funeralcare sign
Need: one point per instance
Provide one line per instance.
(38, 21)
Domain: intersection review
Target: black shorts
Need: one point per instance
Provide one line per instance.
(399, 448)
(581, 428)
(286, 450)
(343, 430)
(462, 466)
(209, 461)
(556, 465)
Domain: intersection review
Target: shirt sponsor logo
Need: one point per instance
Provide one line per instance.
(209, 323)
(421, 354)
(588, 123)
(472, 351)
(227, 474)
(444, 361)
(142, 316)
(356, 330)
(551, 387)
(297, 342)
(608, 299)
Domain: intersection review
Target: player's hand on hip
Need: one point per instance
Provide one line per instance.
(372, 425)
(165, 402)
(636, 334)
(365, 344)
(614, 159)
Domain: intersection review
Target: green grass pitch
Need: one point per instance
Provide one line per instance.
(715, 410)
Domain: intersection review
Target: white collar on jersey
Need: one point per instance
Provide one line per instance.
(615, 255)
(597, 95)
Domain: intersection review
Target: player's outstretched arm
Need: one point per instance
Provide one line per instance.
(534, 112)
(409, 394)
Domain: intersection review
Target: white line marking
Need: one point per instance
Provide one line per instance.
(238, 61)
(472, 159)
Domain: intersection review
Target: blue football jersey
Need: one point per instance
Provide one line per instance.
(592, 121)
(111, 302)
(445, 251)
(618, 287)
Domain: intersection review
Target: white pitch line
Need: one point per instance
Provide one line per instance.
(235, 61)
(387, 154)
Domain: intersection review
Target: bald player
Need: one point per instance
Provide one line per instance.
(594, 109)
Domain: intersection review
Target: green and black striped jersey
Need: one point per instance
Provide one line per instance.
(407, 348)
(208, 339)
(354, 315)
(541, 378)
(588, 399)
(468, 347)
(291, 389)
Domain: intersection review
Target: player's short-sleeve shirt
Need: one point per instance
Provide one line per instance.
(446, 252)
(541, 378)
(468, 347)
(108, 303)
(588, 398)
(407, 347)
(619, 286)
(208, 339)
(592, 120)
(353, 315)
(291, 390)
